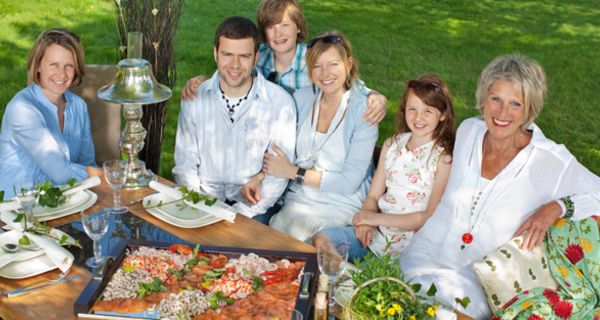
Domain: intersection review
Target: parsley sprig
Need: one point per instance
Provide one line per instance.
(187, 195)
(41, 229)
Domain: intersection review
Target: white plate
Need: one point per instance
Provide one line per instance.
(13, 236)
(71, 202)
(90, 200)
(187, 217)
(30, 265)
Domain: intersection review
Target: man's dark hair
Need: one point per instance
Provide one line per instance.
(238, 28)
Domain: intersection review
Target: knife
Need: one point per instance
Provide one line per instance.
(17, 292)
(140, 200)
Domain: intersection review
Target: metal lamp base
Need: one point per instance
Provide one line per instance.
(137, 175)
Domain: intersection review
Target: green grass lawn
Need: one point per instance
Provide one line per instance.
(393, 41)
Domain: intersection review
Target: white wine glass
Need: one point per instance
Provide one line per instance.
(114, 173)
(332, 262)
(95, 225)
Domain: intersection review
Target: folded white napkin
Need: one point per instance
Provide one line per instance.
(213, 210)
(62, 258)
(13, 237)
(9, 205)
(84, 185)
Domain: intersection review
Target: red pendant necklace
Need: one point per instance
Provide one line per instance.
(467, 237)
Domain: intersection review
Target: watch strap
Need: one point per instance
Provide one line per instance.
(300, 176)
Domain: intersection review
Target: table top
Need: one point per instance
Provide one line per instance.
(57, 302)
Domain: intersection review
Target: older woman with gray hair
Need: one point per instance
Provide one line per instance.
(507, 179)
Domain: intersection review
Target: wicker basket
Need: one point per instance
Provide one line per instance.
(351, 314)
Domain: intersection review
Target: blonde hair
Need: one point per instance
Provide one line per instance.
(270, 12)
(525, 74)
(63, 38)
(319, 44)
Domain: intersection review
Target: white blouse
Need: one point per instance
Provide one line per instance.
(542, 172)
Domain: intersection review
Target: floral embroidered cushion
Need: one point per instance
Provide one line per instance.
(509, 271)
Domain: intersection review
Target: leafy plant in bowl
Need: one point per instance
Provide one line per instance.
(381, 292)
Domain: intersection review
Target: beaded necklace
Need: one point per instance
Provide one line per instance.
(231, 107)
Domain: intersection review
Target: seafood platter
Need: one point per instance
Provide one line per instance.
(149, 280)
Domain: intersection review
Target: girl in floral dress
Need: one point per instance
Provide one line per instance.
(411, 174)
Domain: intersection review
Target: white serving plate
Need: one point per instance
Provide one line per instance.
(72, 201)
(187, 217)
(89, 201)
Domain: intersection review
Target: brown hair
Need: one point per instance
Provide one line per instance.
(237, 28)
(270, 12)
(321, 43)
(63, 38)
(434, 92)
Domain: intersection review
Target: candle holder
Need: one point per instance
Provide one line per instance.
(133, 86)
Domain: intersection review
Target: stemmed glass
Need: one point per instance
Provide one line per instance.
(27, 198)
(114, 172)
(95, 225)
(332, 262)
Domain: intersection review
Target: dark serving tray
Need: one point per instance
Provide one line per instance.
(96, 285)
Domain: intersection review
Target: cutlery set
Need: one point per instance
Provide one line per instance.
(31, 287)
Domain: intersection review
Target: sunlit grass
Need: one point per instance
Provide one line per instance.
(393, 41)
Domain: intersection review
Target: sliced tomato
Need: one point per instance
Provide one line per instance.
(218, 261)
(181, 249)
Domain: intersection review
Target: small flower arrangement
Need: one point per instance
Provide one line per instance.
(382, 293)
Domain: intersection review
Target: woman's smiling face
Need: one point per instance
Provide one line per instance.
(504, 109)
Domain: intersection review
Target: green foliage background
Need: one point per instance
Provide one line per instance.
(393, 40)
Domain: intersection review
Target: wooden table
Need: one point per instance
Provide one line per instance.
(57, 302)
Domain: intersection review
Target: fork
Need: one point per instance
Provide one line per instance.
(53, 279)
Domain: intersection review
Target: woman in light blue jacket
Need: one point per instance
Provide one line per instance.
(45, 133)
(334, 144)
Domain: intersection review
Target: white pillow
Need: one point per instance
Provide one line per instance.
(509, 270)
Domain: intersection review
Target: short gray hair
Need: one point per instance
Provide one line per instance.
(525, 74)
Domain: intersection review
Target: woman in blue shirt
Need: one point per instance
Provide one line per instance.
(45, 134)
(334, 144)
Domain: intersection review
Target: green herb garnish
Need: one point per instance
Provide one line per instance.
(155, 286)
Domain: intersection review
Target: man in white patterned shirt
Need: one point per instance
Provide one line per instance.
(235, 118)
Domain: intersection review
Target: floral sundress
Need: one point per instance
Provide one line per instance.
(410, 175)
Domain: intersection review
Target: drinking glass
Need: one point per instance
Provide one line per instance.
(114, 173)
(27, 199)
(332, 262)
(296, 315)
(95, 225)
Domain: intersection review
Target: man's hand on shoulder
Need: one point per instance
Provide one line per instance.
(376, 107)
(191, 87)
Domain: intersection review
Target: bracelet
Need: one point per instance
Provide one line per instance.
(570, 207)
